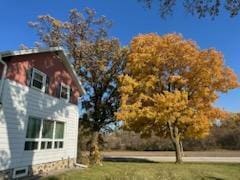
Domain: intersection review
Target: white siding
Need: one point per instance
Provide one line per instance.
(20, 102)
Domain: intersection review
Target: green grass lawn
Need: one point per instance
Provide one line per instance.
(153, 171)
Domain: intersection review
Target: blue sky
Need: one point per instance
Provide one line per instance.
(129, 19)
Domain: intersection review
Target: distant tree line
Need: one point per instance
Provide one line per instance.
(224, 135)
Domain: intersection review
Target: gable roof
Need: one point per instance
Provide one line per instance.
(61, 52)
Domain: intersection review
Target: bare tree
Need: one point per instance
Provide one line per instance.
(98, 60)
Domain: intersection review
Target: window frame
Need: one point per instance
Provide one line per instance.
(15, 175)
(68, 92)
(34, 70)
(40, 139)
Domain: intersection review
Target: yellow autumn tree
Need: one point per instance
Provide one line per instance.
(170, 86)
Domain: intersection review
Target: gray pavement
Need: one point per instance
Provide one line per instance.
(172, 159)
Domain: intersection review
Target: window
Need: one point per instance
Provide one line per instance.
(31, 145)
(59, 130)
(59, 133)
(33, 128)
(65, 92)
(47, 131)
(33, 131)
(58, 144)
(44, 134)
(46, 145)
(20, 172)
(47, 134)
(38, 80)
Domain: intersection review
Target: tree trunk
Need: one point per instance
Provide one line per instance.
(94, 154)
(82, 158)
(175, 138)
(79, 148)
(181, 145)
(178, 151)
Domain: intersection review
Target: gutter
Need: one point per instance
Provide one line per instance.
(4, 72)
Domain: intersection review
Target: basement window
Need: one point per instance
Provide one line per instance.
(20, 172)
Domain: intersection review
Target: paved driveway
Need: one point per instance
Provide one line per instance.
(172, 159)
(213, 157)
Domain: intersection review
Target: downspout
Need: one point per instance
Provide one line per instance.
(3, 77)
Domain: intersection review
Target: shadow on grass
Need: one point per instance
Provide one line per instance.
(35, 177)
(214, 178)
(52, 178)
(126, 159)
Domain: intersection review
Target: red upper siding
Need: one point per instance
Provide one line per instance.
(49, 64)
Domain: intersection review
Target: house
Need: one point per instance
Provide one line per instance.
(39, 95)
